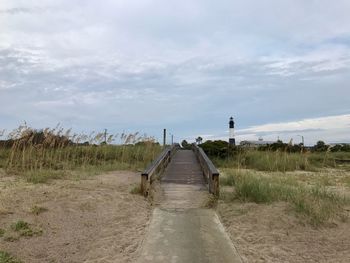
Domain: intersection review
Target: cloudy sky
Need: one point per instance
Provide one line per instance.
(281, 68)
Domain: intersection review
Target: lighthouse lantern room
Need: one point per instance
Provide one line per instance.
(232, 140)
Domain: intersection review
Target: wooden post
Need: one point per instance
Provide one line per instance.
(164, 137)
(144, 181)
(216, 190)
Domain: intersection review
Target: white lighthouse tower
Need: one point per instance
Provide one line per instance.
(232, 140)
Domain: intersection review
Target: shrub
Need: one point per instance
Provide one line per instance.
(7, 258)
(217, 149)
(24, 229)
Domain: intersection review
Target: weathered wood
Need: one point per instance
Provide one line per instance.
(342, 160)
(144, 179)
(210, 172)
(156, 167)
(216, 188)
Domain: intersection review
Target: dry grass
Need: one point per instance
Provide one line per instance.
(40, 156)
(36, 210)
(282, 161)
(314, 202)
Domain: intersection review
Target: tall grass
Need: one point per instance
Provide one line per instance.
(53, 153)
(316, 203)
(280, 161)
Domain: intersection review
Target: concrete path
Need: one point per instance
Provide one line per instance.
(181, 228)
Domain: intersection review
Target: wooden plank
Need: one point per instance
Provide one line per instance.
(209, 170)
(157, 166)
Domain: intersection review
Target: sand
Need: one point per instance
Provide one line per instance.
(273, 233)
(90, 220)
(98, 220)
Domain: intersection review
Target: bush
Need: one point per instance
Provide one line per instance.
(218, 149)
(320, 147)
(7, 258)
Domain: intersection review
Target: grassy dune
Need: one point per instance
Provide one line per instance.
(315, 202)
(282, 161)
(51, 154)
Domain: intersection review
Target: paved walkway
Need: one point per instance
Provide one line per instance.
(182, 229)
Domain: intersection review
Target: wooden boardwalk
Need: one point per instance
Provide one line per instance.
(181, 228)
(183, 184)
(184, 169)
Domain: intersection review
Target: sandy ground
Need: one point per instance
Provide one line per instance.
(90, 220)
(272, 233)
(275, 233)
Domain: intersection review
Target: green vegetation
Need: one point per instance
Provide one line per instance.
(39, 156)
(278, 156)
(281, 161)
(7, 258)
(24, 229)
(316, 203)
(266, 161)
(2, 232)
(186, 145)
(20, 225)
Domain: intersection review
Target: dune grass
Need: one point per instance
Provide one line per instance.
(281, 161)
(39, 156)
(317, 204)
(39, 165)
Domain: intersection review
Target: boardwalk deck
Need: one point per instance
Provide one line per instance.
(184, 169)
(183, 184)
(182, 229)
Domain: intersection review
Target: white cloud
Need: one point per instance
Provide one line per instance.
(188, 64)
(330, 129)
(331, 122)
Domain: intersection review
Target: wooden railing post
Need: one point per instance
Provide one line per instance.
(216, 185)
(156, 167)
(210, 173)
(144, 182)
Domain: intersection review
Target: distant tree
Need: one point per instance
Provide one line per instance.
(199, 140)
(320, 146)
(346, 148)
(341, 148)
(220, 149)
(185, 144)
(337, 148)
(276, 146)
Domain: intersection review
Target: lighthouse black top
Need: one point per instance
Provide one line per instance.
(232, 123)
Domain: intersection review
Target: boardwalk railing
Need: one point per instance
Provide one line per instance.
(209, 170)
(156, 167)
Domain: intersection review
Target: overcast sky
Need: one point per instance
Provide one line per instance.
(280, 68)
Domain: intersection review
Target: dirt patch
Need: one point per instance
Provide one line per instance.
(273, 233)
(92, 220)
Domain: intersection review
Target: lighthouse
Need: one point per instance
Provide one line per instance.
(232, 140)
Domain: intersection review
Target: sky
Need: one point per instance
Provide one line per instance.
(280, 68)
